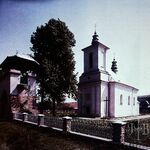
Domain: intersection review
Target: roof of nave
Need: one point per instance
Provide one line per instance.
(116, 78)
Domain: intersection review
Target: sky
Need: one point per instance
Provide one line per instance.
(122, 25)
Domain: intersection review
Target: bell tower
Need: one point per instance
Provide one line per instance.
(94, 59)
(90, 83)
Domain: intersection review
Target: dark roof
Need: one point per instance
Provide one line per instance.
(106, 48)
(19, 62)
(143, 97)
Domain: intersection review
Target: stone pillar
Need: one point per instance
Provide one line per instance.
(24, 117)
(67, 124)
(14, 116)
(40, 119)
(119, 132)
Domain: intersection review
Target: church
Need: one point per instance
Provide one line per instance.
(100, 93)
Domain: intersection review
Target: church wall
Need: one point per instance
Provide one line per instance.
(102, 58)
(80, 101)
(104, 99)
(111, 99)
(89, 100)
(97, 98)
(85, 100)
(90, 77)
(125, 109)
(136, 110)
(104, 77)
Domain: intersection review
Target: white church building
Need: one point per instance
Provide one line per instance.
(100, 94)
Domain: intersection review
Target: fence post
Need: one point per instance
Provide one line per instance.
(14, 116)
(67, 124)
(40, 119)
(119, 132)
(24, 117)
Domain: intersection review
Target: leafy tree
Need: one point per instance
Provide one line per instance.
(52, 49)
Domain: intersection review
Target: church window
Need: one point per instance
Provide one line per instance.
(134, 101)
(91, 60)
(128, 100)
(121, 99)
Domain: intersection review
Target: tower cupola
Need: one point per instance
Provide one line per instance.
(95, 38)
(114, 67)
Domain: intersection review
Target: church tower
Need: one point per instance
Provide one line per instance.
(95, 55)
(93, 83)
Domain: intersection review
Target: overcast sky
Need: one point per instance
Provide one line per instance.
(124, 26)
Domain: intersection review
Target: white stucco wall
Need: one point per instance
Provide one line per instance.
(125, 109)
(111, 99)
(102, 58)
(104, 77)
(104, 99)
(15, 80)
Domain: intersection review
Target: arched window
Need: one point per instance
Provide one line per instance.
(121, 99)
(128, 100)
(134, 101)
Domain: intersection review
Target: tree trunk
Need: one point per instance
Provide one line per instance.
(54, 107)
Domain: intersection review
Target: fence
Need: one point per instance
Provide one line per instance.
(117, 132)
(53, 122)
(32, 118)
(93, 127)
(98, 128)
(138, 131)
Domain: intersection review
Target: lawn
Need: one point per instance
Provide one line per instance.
(17, 136)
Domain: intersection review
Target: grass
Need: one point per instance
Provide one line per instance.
(17, 136)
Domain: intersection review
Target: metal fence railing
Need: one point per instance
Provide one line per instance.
(19, 116)
(98, 128)
(133, 133)
(92, 127)
(53, 122)
(32, 118)
(138, 131)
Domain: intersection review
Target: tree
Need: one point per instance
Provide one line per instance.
(52, 49)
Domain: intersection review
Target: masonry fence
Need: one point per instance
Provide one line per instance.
(116, 132)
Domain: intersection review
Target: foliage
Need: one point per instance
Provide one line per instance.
(21, 107)
(52, 49)
(45, 105)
